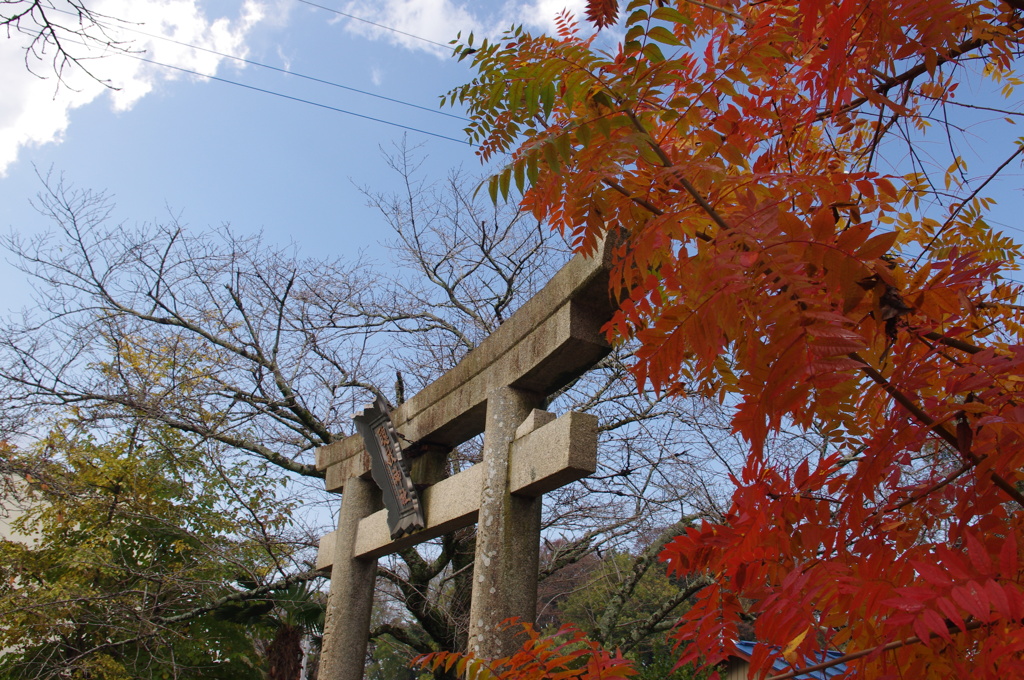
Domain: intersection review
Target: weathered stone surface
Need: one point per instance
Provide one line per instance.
(325, 552)
(507, 534)
(566, 339)
(536, 419)
(555, 454)
(347, 624)
(430, 466)
(450, 504)
(551, 340)
(548, 342)
(343, 459)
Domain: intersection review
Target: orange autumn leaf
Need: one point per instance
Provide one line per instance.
(778, 254)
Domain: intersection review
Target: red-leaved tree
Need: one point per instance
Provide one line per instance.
(802, 238)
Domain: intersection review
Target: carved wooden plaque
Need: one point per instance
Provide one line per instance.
(390, 469)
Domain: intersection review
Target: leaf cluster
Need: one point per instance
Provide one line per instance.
(566, 655)
(128, 538)
(743, 156)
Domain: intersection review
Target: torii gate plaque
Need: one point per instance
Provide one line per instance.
(388, 467)
(554, 338)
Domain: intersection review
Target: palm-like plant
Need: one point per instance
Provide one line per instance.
(294, 613)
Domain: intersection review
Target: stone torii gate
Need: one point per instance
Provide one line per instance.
(552, 339)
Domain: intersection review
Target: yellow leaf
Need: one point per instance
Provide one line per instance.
(789, 653)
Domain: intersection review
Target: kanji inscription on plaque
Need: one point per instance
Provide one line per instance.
(390, 469)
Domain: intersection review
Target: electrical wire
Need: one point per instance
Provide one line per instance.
(372, 23)
(281, 70)
(305, 77)
(299, 99)
(277, 94)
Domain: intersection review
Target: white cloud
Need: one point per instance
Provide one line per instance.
(34, 111)
(541, 13)
(418, 24)
(438, 21)
(285, 59)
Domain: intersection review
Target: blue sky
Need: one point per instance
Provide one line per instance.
(211, 152)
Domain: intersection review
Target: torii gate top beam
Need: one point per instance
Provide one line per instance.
(551, 340)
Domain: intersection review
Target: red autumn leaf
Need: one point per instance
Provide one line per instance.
(765, 263)
(979, 556)
(932, 573)
(973, 599)
(602, 13)
(935, 624)
(997, 596)
(1008, 558)
(950, 611)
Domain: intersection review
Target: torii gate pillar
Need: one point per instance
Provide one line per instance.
(551, 340)
(350, 600)
(508, 534)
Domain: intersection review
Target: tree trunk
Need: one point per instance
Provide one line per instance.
(285, 654)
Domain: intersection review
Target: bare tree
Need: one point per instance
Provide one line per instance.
(266, 354)
(59, 35)
(473, 265)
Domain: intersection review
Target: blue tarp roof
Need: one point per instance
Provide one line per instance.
(746, 649)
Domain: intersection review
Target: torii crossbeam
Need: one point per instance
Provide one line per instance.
(551, 340)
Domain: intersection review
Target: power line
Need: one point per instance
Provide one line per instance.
(299, 99)
(372, 23)
(282, 95)
(290, 97)
(285, 71)
(304, 77)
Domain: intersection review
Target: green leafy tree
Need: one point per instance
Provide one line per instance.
(391, 661)
(620, 600)
(139, 535)
(263, 356)
(293, 614)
